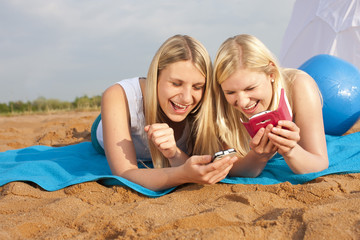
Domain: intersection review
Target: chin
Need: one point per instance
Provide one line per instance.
(177, 118)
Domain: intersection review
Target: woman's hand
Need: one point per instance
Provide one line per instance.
(261, 144)
(163, 138)
(199, 169)
(285, 137)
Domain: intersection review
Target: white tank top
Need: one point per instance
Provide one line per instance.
(137, 121)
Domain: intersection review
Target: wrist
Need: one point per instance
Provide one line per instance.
(263, 157)
(178, 158)
(176, 155)
(291, 153)
(181, 174)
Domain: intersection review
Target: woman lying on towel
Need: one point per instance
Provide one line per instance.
(249, 81)
(157, 119)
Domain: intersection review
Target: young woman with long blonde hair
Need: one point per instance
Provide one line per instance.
(156, 119)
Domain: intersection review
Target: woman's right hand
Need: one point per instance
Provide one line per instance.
(163, 138)
(199, 169)
(261, 144)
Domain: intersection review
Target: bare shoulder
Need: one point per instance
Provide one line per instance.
(113, 95)
(305, 95)
(303, 86)
(113, 91)
(114, 103)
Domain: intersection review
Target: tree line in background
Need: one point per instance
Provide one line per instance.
(42, 104)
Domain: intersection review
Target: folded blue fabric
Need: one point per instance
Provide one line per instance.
(54, 168)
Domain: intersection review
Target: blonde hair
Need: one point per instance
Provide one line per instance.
(247, 52)
(175, 49)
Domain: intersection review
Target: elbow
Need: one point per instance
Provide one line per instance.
(245, 174)
(123, 173)
(254, 174)
(323, 165)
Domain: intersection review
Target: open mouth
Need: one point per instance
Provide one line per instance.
(251, 108)
(179, 107)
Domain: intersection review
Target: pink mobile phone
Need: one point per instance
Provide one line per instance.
(269, 117)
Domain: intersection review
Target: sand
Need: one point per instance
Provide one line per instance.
(326, 208)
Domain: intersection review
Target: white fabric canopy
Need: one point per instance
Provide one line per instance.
(322, 27)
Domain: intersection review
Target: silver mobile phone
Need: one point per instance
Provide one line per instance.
(229, 152)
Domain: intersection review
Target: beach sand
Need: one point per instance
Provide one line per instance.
(325, 208)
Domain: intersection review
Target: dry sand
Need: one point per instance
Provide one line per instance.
(326, 208)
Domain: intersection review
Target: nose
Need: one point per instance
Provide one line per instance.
(186, 93)
(242, 99)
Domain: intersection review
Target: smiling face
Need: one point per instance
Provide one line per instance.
(180, 89)
(248, 91)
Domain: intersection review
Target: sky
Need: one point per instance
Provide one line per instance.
(63, 49)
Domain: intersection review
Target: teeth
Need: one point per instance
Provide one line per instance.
(251, 106)
(182, 107)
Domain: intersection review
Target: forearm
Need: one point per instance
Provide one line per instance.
(250, 166)
(155, 179)
(301, 161)
(179, 158)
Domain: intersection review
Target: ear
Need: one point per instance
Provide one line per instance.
(272, 75)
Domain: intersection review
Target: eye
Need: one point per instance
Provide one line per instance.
(250, 88)
(176, 84)
(198, 87)
(229, 92)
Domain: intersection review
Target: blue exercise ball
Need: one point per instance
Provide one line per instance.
(339, 83)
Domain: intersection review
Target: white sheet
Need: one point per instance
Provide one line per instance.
(322, 26)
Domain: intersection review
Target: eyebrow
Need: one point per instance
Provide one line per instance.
(226, 90)
(180, 80)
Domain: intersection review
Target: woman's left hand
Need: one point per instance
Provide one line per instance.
(285, 136)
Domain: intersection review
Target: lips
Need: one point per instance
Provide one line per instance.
(179, 107)
(251, 108)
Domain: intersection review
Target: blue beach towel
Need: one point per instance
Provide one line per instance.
(53, 168)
